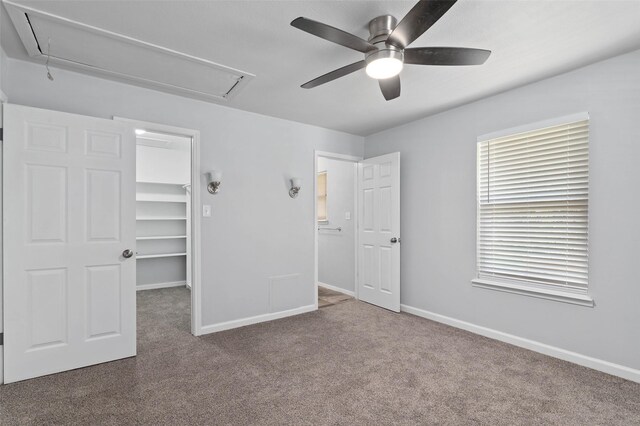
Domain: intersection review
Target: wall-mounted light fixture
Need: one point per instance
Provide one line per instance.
(296, 184)
(214, 177)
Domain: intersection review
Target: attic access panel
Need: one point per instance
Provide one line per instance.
(79, 46)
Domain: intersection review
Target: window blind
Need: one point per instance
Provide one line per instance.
(533, 206)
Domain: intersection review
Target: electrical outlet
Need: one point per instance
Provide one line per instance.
(206, 210)
(347, 215)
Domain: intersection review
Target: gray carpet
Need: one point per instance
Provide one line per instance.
(349, 363)
(328, 297)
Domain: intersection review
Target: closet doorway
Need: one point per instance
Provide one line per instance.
(336, 228)
(167, 229)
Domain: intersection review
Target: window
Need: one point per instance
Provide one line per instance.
(322, 197)
(533, 193)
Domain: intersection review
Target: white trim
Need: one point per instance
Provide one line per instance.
(228, 325)
(3, 97)
(338, 289)
(196, 178)
(337, 156)
(580, 116)
(154, 286)
(553, 351)
(581, 299)
(344, 157)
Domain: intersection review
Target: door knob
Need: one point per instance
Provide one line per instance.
(127, 253)
(395, 240)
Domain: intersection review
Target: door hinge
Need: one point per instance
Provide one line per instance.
(1, 134)
(1, 339)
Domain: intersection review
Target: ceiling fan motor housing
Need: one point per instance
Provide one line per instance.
(381, 27)
(379, 30)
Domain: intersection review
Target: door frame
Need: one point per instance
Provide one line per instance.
(347, 158)
(196, 177)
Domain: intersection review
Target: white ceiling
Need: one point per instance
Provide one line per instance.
(530, 40)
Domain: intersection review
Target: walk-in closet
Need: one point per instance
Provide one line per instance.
(163, 200)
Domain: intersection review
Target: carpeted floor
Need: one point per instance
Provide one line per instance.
(350, 363)
(328, 297)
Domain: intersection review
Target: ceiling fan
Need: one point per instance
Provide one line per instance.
(385, 52)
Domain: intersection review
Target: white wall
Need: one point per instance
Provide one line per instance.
(256, 231)
(164, 165)
(439, 211)
(336, 250)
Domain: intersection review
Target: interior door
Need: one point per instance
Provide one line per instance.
(69, 216)
(379, 231)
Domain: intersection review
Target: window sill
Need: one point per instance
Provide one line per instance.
(542, 293)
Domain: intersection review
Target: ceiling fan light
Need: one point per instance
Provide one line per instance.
(382, 68)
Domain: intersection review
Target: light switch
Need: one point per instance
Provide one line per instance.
(347, 215)
(206, 210)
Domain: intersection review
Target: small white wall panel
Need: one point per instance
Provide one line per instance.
(103, 300)
(47, 302)
(385, 170)
(368, 271)
(368, 210)
(46, 204)
(46, 137)
(385, 209)
(386, 266)
(103, 186)
(287, 292)
(100, 144)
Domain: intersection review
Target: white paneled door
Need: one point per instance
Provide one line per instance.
(379, 231)
(69, 217)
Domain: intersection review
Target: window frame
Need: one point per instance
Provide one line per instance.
(522, 286)
(325, 196)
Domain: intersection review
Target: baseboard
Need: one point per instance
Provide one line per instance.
(154, 286)
(338, 289)
(563, 354)
(213, 328)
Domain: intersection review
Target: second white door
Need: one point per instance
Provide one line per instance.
(379, 231)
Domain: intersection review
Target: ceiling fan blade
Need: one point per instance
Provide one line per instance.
(445, 56)
(330, 33)
(418, 20)
(340, 72)
(390, 87)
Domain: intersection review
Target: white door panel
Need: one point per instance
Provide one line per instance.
(379, 217)
(69, 213)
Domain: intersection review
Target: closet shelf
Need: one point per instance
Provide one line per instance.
(155, 256)
(161, 200)
(161, 237)
(161, 218)
(161, 183)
